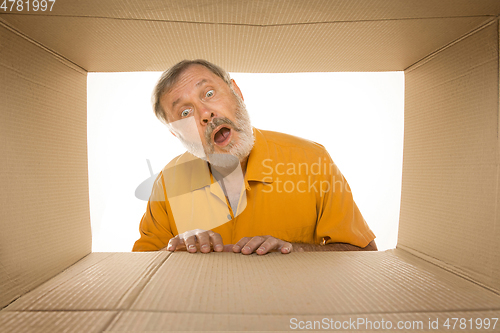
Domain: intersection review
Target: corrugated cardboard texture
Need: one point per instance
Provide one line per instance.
(55, 321)
(214, 322)
(98, 282)
(252, 36)
(226, 291)
(44, 207)
(450, 167)
(271, 12)
(309, 284)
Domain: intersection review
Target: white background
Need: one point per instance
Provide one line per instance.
(358, 117)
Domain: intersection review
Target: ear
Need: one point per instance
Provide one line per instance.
(237, 89)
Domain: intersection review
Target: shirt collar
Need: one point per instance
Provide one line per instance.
(260, 166)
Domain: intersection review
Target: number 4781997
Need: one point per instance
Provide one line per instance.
(27, 5)
(464, 323)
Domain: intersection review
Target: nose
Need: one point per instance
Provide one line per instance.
(206, 115)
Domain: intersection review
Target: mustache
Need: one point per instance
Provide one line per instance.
(216, 122)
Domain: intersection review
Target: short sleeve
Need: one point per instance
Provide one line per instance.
(339, 218)
(155, 227)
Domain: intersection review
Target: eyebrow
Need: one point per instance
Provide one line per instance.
(201, 82)
(197, 85)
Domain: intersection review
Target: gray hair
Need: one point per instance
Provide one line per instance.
(170, 77)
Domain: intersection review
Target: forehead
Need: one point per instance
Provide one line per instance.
(191, 78)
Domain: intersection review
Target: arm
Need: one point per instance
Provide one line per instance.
(340, 220)
(155, 229)
(298, 247)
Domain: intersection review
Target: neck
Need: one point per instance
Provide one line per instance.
(243, 163)
(225, 171)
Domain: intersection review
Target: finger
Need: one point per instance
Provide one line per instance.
(269, 244)
(216, 240)
(203, 241)
(181, 246)
(190, 244)
(252, 245)
(228, 248)
(237, 247)
(286, 248)
(173, 243)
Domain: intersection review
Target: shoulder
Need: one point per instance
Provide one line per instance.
(185, 173)
(185, 162)
(180, 166)
(287, 142)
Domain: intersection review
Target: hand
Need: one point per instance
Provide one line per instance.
(198, 239)
(262, 245)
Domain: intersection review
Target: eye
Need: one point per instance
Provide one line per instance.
(209, 93)
(185, 113)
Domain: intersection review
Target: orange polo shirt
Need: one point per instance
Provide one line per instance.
(292, 190)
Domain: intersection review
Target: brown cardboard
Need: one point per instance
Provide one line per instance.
(450, 163)
(181, 322)
(225, 291)
(55, 321)
(275, 36)
(98, 282)
(227, 283)
(44, 210)
(446, 263)
(272, 12)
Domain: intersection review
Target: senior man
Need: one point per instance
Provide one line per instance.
(238, 188)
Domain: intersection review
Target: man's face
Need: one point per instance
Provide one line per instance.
(202, 108)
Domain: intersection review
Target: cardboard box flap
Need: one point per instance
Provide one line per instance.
(281, 36)
(319, 283)
(55, 321)
(268, 13)
(449, 202)
(141, 321)
(67, 274)
(44, 207)
(226, 291)
(95, 283)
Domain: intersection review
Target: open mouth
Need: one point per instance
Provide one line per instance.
(222, 135)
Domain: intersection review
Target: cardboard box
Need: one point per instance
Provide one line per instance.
(446, 264)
